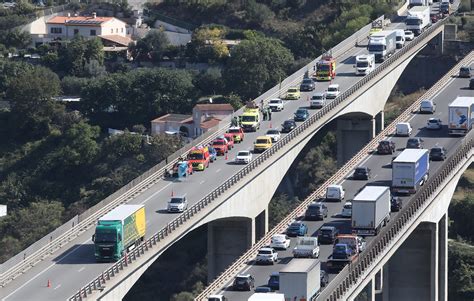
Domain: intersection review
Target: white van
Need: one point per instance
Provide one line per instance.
(427, 106)
(335, 192)
(318, 100)
(400, 39)
(403, 129)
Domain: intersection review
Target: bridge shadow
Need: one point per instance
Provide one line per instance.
(77, 254)
(441, 133)
(465, 88)
(164, 211)
(348, 74)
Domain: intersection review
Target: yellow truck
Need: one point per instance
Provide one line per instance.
(250, 119)
(262, 144)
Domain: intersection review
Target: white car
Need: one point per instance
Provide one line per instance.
(427, 106)
(280, 241)
(267, 255)
(409, 35)
(276, 104)
(177, 204)
(347, 210)
(434, 124)
(332, 91)
(274, 134)
(243, 157)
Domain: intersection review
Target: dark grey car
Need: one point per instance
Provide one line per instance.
(307, 85)
(316, 211)
(415, 143)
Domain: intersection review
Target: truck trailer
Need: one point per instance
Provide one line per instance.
(266, 297)
(382, 44)
(410, 170)
(370, 210)
(418, 19)
(119, 231)
(461, 115)
(300, 279)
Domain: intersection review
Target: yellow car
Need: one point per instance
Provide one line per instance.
(293, 93)
(262, 144)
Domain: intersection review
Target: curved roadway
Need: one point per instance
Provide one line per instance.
(380, 166)
(68, 270)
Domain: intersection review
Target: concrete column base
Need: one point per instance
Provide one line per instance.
(352, 135)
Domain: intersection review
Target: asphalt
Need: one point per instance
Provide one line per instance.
(380, 166)
(71, 268)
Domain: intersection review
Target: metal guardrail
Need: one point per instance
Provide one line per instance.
(34, 254)
(196, 208)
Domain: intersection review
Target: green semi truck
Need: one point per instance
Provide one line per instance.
(119, 231)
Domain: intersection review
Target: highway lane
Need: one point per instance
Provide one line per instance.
(381, 175)
(71, 269)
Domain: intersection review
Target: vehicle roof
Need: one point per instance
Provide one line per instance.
(370, 193)
(243, 275)
(403, 123)
(335, 186)
(120, 213)
(410, 155)
(266, 249)
(279, 235)
(302, 265)
(319, 94)
(327, 228)
(235, 128)
(263, 137)
(462, 101)
(333, 86)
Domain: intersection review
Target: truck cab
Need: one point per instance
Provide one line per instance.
(199, 157)
(326, 67)
(250, 119)
(400, 38)
(365, 64)
(262, 144)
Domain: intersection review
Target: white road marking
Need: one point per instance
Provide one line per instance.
(218, 170)
(375, 176)
(151, 196)
(58, 286)
(202, 182)
(81, 269)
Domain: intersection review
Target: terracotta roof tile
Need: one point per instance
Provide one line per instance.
(214, 107)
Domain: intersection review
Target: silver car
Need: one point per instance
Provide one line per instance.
(434, 124)
(177, 204)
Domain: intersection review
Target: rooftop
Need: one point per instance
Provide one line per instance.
(214, 107)
(209, 123)
(124, 41)
(181, 118)
(79, 20)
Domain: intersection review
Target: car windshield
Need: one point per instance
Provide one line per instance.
(262, 141)
(375, 48)
(413, 21)
(234, 131)
(278, 239)
(436, 150)
(249, 118)
(317, 97)
(265, 252)
(196, 156)
(307, 81)
(413, 141)
(294, 226)
(465, 69)
(300, 112)
(314, 208)
(275, 101)
(272, 132)
(176, 201)
(243, 154)
(339, 248)
(292, 90)
(105, 237)
(433, 121)
(288, 123)
(399, 38)
(241, 280)
(362, 64)
(274, 279)
(323, 67)
(348, 206)
(360, 170)
(408, 33)
(332, 89)
(219, 142)
(326, 231)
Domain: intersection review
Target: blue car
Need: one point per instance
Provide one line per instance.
(301, 115)
(212, 153)
(297, 229)
(274, 281)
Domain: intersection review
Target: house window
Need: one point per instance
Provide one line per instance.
(121, 30)
(93, 33)
(116, 30)
(56, 30)
(76, 31)
(111, 30)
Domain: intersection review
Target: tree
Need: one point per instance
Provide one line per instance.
(152, 46)
(31, 100)
(79, 52)
(462, 222)
(255, 65)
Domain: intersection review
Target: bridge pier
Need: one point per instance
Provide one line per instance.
(352, 135)
(229, 238)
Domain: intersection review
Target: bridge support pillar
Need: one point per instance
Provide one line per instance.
(379, 122)
(352, 135)
(443, 258)
(413, 269)
(227, 239)
(261, 224)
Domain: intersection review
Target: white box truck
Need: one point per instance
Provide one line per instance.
(370, 210)
(461, 115)
(410, 170)
(267, 297)
(412, 3)
(382, 44)
(418, 19)
(300, 279)
(365, 63)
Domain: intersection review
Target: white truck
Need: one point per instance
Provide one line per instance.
(418, 19)
(370, 210)
(266, 297)
(461, 115)
(306, 247)
(365, 63)
(410, 170)
(382, 44)
(400, 40)
(300, 279)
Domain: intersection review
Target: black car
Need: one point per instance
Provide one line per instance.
(263, 289)
(471, 83)
(444, 8)
(438, 153)
(316, 211)
(415, 143)
(307, 85)
(288, 126)
(301, 114)
(324, 278)
(465, 72)
(386, 147)
(327, 234)
(244, 282)
(395, 204)
(361, 173)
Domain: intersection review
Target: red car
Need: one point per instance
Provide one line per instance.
(221, 145)
(230, 139)
(238, 133)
